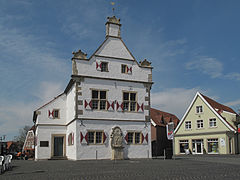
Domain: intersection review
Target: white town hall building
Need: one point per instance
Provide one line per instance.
(104, 112)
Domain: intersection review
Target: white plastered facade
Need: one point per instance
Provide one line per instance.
(77, 118)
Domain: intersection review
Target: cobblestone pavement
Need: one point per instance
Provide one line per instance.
(182, 168)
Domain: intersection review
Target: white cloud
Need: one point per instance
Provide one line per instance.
(233, 76)
(21, 47)
(15, 115)
(206, 65)
(175, 100)
(233, 103)
(48, 90)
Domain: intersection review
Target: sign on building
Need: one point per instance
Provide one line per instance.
(170, 130)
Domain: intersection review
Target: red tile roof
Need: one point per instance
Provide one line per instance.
(157, 116)
(217, 105)
(220, 108)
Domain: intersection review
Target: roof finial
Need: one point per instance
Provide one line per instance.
(113, 3)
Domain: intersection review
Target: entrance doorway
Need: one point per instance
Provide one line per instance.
(58, 146)
(197, 146)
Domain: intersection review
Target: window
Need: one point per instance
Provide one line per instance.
(183, 145)
(99, 99)
(188, 125)
(43, 143)
(199, 109)
(212, 145)
(56, 113)
(124, 68)
(212, 122)
(104, 66)
(134, 137)
(95, 137)
(70, 139)
(129, 101)
(199, 124)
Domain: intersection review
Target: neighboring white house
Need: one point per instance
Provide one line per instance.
(110, 90)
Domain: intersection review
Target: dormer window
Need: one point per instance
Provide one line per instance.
(104, 67)
(199, 109)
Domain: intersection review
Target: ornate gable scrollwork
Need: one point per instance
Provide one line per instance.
(79, 55)
(113, 20)
(145, 63)
(74, 67)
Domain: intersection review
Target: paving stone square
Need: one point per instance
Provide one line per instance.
(182, 168)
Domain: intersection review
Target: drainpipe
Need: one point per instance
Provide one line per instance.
(237, 140)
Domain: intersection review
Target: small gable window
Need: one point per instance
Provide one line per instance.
(54, 114)
(101, 66)
(125, 69)
(213, 122)
(104, 67)
(199, 109)
(188, 125)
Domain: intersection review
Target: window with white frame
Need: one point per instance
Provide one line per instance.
(213, 122)
(199, 109)
(188, 125)
(99, 99)
(95, 137)
(183, 144)
(134, 137)
(199, 124)
(129, 101)
(212, 145)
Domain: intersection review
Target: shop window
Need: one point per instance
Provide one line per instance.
(188, 125)
(99, 99)
(212, 145)
(213, 122)
(183, 144)
(199, 124)
(129, 101)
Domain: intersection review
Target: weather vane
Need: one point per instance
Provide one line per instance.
(113, 3)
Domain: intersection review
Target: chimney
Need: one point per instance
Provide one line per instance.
(113, 27)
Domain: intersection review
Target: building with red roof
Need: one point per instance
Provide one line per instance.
(207, 127)
(159, 120)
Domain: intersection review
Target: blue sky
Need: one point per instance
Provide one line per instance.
(193, 46)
